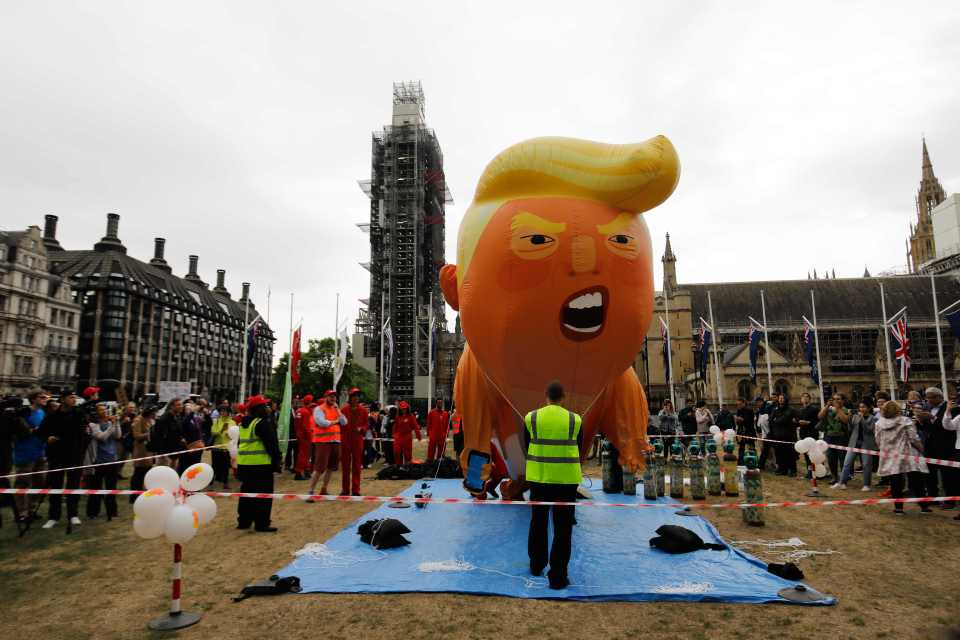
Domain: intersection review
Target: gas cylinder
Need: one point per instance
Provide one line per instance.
(612, 473)
(676, 470)
(649, 477)
(658, 467)
(713, 469)
(753, 483)
(629, 483)
(698, 489)
(731, 483)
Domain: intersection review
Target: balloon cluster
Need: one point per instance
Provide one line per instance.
(169, 505)
(730, 435)
(816, 450)
(233, 433)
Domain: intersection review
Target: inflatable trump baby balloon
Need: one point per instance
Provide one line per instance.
(554, 281)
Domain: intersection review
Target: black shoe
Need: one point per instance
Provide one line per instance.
(243, 527)
(299, 476)
(266, 529)
(926, 510)
(560, 583)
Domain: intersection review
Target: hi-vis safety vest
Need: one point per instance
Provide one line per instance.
(327, 434)
(455, 422)
(250, 448)
(553, 456)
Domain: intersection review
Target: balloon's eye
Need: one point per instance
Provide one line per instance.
(539, 239)
(620, 239)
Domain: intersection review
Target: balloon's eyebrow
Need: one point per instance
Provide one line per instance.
(619, 223)
(527, 219)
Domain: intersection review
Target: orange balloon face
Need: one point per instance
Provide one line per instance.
(558, 288)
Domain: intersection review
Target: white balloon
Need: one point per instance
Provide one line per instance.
(822, 445)
(182, 524)
(817, 457)
(810, 442)
(204, 505)
(820, 470)
(147, 530)
(196, 477)
(153, 506)
(801, 446)
(714, 429)
(163, 478)
(233, 432)
(718, 438)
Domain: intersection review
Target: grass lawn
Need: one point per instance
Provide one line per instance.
(894, 577)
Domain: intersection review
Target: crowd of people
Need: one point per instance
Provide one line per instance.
(74, 441)
(900, 434)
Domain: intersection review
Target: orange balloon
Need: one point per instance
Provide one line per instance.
(555, 282)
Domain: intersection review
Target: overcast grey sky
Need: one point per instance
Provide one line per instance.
(237, 130)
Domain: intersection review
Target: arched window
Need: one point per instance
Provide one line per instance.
(782, 386)
(745, 389)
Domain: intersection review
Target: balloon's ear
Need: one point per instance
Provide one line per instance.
(448, 284)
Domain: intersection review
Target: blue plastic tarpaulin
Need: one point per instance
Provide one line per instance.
(483, 550)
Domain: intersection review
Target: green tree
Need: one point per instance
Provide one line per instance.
(316, 372)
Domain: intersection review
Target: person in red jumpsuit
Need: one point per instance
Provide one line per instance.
(437, 422)
(304, 432)
(351, 444)
(403, 428)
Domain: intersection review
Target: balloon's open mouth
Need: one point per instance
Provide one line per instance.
(583, 313)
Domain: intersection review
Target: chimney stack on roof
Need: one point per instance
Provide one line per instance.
(111, 241)
(50, 233)
(246, 292)
(192, 274)
(221, 287)
(158, 261)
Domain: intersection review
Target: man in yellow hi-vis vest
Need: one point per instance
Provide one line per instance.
(258, 458)
(553, 438)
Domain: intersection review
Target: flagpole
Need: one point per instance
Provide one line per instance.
(430, 354)
(336, 343)
(380, 323)
(816, 345)
(290, 340)
(886, 343)
(766, 347)
(666, 311)
(243, 364)
(716, 357)
(936, 322)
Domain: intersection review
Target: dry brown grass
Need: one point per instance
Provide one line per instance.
(895, 578)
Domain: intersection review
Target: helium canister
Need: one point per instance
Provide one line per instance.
(713, 469)
(612, 473)
(649, 477)
(659, 462)
(676, 470)
(698, 489)
(731, 483)
(753, 482)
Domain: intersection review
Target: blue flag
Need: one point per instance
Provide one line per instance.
(809, 343)
(706, 338)
(753, 339)
(954, 320)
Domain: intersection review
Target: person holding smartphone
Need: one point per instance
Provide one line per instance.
(836, 420)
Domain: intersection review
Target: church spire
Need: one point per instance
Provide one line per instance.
(669, 270)
(929, 195)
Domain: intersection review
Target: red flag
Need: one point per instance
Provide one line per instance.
(295, 357)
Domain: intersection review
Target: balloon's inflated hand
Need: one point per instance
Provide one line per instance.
(478, 469)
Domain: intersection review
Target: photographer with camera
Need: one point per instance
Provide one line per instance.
(106, 434)
(29, 455)
(65, 433)
(835, 419)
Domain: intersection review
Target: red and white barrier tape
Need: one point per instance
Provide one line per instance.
(303, 497)
(872, 452)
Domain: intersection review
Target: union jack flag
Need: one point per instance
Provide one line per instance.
(901, 342)
(809, 343)
(753, 346)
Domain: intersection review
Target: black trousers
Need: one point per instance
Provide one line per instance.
(136, 481)
(187, 459)
(918, 485)
(559, 555)
(786, 458)
(221, 465)
(55, 480)
(291, 454)
(949, 475)
(255, 478)
(765, 449)
(103, 478)
(458, 444)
